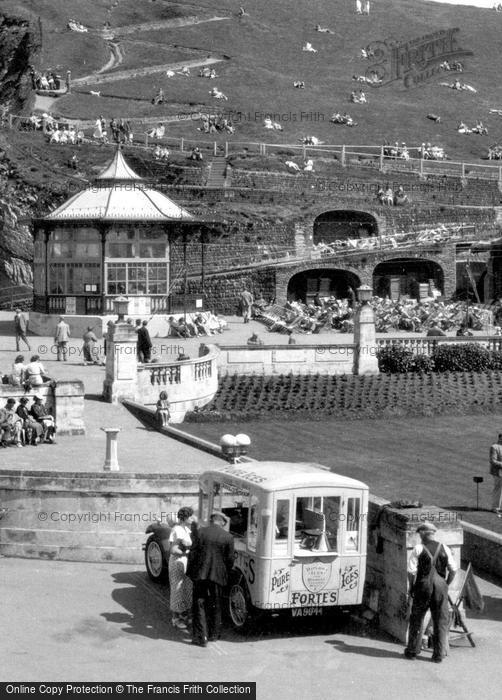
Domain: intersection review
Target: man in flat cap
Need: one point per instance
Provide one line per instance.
(496, 472)
(210, 563)
(431, 568)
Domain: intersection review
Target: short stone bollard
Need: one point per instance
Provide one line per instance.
(111, 462)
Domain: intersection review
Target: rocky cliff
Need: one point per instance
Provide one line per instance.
(19, 42)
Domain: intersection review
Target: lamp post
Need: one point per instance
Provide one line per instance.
(477, 480)
(364, 294)
(121, 308)
(234, 446)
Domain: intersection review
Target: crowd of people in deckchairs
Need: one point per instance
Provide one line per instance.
(428, 316)
(428, 236)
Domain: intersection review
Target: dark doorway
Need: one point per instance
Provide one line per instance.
(341, 224)
(304, 285)
(407, 277)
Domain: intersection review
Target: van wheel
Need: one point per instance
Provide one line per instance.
(240, 610)
(156, 566)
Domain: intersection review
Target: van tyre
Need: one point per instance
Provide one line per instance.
(156, 566)
(241, 612)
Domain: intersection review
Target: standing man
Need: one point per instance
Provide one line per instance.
(431, 568)
(144, 343)
(246, 304)
(209, 567)
(61, 338)
(496, 472)
(20, 328)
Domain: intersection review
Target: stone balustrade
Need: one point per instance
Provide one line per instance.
(427, 346)
(188, 384)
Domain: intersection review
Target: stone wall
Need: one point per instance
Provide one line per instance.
(391, 537)
(90, 517)
(282, 359)
(65, 401)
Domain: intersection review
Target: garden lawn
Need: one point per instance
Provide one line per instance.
(427, 459)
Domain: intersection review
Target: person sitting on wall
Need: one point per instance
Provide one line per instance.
(32, 429)
(202, 326)
(35, 374)
(10, 425)
(42, 416)
(162, 413)
(255, 340)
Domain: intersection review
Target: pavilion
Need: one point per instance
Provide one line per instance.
(111, 239)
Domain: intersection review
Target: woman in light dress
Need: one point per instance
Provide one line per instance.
(180, 540)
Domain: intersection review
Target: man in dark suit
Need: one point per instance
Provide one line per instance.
(144, 343)
(210, 563)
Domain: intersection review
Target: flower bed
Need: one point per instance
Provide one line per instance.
(347, 397)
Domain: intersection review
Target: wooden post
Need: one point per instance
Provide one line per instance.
(421, 164)
(463, 170)
(181, 144)
(226, 149)
(381, 158)
(146, 140)
(215, 151)
(343, 155)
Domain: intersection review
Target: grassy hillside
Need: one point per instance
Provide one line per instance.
(266, 57)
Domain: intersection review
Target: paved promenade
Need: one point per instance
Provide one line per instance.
(65, 621)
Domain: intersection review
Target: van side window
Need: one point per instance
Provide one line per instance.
(234, 503)
(352, 525)
(253, 523)
(282, 519)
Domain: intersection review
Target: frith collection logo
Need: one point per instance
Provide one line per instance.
(413, 62)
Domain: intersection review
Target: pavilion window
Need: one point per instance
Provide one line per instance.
(117, 278)
(157, 278)
(57, 281)
(121, 250)
(137, 278)
(152, 250)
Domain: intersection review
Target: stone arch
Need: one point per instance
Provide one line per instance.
(302, 285)
(402, 276)
(339, 224)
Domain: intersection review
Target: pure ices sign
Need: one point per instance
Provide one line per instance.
(413, 62)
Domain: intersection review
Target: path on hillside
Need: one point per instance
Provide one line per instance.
(174, 23)
(98, 77)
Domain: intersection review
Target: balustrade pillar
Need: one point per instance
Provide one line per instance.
(121, 380)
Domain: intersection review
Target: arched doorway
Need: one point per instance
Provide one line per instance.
(305, 285)
(410, 277)
(343, 223)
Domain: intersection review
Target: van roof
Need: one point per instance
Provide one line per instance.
(276, 476)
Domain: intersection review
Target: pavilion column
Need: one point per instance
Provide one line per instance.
(102, 231)
(46, 253)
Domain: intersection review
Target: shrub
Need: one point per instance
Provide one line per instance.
(395, 360)
(496, 360)
(468, 357)
(422, 363)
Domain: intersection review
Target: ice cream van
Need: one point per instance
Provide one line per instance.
(300, 536)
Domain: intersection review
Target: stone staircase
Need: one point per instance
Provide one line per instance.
(217, 176)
